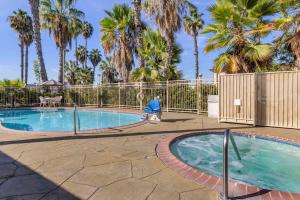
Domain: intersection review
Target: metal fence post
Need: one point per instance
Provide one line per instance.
(200, 95)
(167, 93)
(141, 91)
(119, 85)
(198, 86)
(97, 96)
(101, 95)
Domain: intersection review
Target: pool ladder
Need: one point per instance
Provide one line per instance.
(227, 137)
(75, 120)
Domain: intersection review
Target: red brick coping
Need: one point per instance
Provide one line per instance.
(117, 128)
(237, 190)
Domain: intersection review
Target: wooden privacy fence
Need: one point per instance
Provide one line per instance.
(266, 99)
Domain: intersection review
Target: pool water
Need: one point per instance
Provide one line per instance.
(265, 163)
(60, 120)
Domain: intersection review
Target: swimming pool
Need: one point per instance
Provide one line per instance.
(266, 163)
(62, 120)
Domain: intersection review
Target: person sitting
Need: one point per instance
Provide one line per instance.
(154, 110)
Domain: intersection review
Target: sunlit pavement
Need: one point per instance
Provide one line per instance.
(110, 165)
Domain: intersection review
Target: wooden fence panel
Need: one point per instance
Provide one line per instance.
(278, 99)
(233, 87)
(267, 99)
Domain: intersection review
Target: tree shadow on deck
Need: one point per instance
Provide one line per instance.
(178, 120)
(119, 134)
(17, 182)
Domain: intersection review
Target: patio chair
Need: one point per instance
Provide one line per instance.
(154, 110)
(43, 102)
(56, 101)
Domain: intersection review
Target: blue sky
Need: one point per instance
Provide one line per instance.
(94, 10)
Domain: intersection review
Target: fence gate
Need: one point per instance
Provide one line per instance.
(237, 88)
(266, 99)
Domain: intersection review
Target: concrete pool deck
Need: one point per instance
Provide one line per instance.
(109, 165)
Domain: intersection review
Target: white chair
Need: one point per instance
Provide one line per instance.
(56, 101)
(43, 102)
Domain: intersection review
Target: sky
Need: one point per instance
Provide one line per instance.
(94, 11)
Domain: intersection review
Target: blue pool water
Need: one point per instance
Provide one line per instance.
(63, 119)
(265, 163)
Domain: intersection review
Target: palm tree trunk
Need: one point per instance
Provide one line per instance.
(26, 64)
(137, 7)
(76, 46)
(34, 5)
(86, 58)
(196, 53)
(22, 60)
(94, 69)
(61, 63)
(295, 46)
(170, 39)
(297, 63)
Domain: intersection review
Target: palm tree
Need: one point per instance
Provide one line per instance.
(85, 76)
(80, 55)
(87, 31)
(57, 17)
(35, 11)
(289, 24)
(137, 7)
(154, 51)
(28, 39)
(167, 14)
(193, 23)
(12, 83)
(71, 72)
(37, 71)
(20, 23)
(238, 28)
(95, 58)
(109, 72)
(76, 28)
(118, 38)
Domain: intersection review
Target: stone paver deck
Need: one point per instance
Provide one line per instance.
(109, 165)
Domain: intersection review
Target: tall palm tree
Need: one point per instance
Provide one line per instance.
(20, 23)
(95, 58)
(87, 31)
(35, 11)
(193, 23)
(238, 28)
(168, 18)
(28, 39)
(137, 7)
(80, 55)
(118, 38)
(57, 17)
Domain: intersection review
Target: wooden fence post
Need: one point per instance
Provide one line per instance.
(255, 100)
